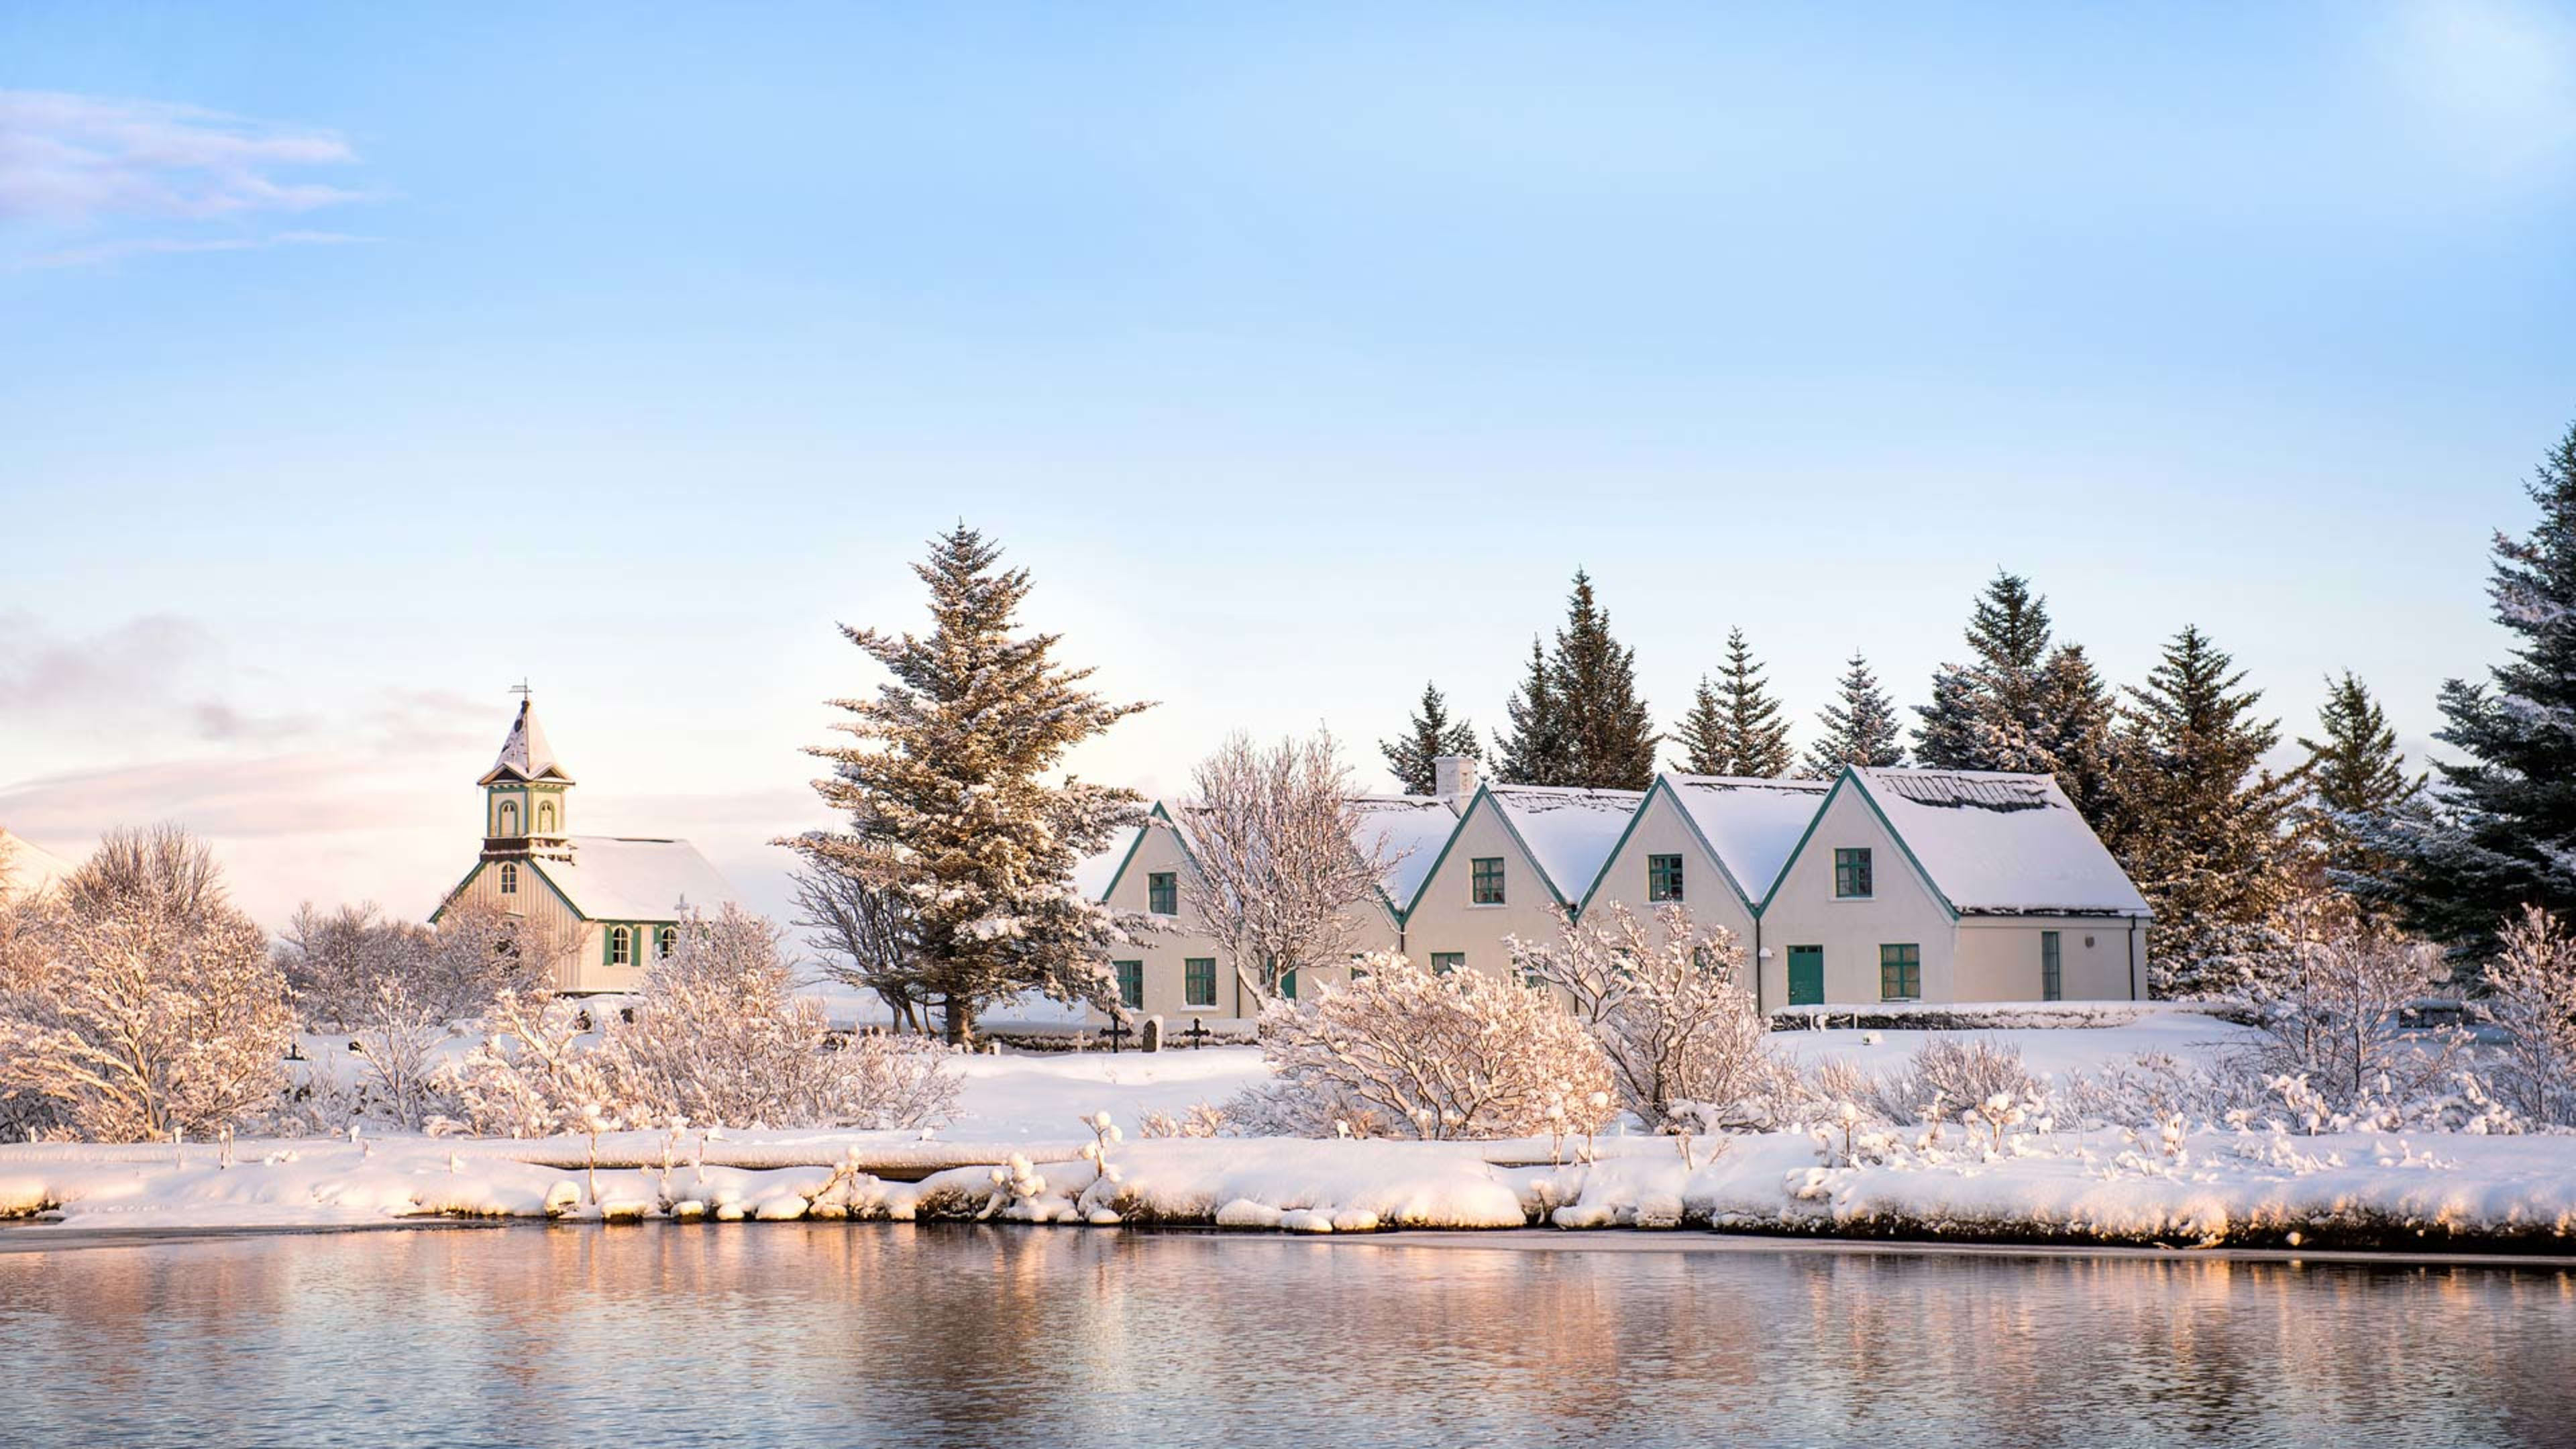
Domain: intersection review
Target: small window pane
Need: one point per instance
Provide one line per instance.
(1131, 983)
(509, 879)
(2052, 963)
(1444, 962)
(1163, 893)
(1900, 973)
(1486, 881)
(1851, 873)
(621, 947)
(1198, 981)
(1663, 877)
(666, 941)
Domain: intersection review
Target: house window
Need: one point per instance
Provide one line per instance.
(509, 879)
(666, 941)
(1287, 985)
(1131, 983)
(1485, 881)
(1198, 981)
(1445, 962)
(1163, 893)
(509, 817)
(1900, 973)
(546, 818)
(1663, 877)
(621, 946)
(2052, 964)
(1851, 874)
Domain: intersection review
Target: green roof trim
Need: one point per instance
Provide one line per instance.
(1664, 787)
(1482, 796)
(1851, 776)
(1137, 844)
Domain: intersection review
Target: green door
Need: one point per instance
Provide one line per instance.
(1806, 976)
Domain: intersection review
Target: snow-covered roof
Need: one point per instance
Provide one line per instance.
(525, 753)
(1998, 844)
(26, 868)
(622, 878)
(1569, 832)
(1093, 875)
(1412, 828)
(1753, 825)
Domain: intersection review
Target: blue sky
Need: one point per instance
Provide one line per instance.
(359, 362)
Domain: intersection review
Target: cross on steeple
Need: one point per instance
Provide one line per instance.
(521, 689)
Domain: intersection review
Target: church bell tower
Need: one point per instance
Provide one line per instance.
(525, 809)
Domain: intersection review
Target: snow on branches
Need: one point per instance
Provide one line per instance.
(1277, 867)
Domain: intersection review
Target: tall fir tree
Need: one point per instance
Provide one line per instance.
(1736, 728)
(2203, 828)
(1860, 730)
(2077, 723)
(948, 792)
(1538, 749)
(2500, 830)
(1427, 736)
(1577, 720)
(1991, 714)
(2357, 785)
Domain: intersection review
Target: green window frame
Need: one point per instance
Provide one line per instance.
(1163, 893)
(1198, 981)
(1131, 983)
(666, 941)
(1663, 877)
(1900, 973)
(1445, 962)
(621, 946)
(1852, 873)
(2052, 967)
(1485, 881)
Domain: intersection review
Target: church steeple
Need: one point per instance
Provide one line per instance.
(525, 811)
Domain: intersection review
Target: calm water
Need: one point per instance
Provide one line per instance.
(891, 1335)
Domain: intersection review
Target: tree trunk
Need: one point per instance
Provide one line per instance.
(957, 1018)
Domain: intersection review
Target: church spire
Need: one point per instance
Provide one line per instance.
(525, 811)
(525, 752)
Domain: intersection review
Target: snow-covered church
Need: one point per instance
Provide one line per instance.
(605, 905)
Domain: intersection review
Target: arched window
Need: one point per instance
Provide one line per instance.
(546, 818)
(509, 817)
(621, 946)
(666, 941)
(509, 879)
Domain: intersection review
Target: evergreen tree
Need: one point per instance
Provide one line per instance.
(1577, 720)
(2357, 784)
(1736, 729)
(2500, 832)
(2202, 825)
(1428, 735)
(950, 803)
(1538, 750)
(2077, 722)
(1991, 714)
(1861, 730)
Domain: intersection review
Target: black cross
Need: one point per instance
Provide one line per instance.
(1116, 1031)
(1198, 1033)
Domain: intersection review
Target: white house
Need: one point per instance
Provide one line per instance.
(1518, 854)
(603, 904)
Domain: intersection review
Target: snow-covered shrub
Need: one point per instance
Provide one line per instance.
(1665, 1005)
(150, 1004)
(2335, 1019)
(2532, 982)
(718, 1037)
(1458, 1056)
(1199, 1119)
(1949, 1073)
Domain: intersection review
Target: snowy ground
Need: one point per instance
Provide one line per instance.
(2256, 1187)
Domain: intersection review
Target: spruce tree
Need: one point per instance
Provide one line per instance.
(2357, 784)
(949, 794)
(2203, 826)
(2077, 721)
(1577, 719)
(1538, 750)
(1861, 730)
(1736, 728)
(1990, 714)
(1427, 736)
(2500, 831)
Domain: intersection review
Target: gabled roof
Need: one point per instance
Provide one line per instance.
(621, 878)
(1750, 826)
(525, 754)
(1412, 828)
(26, 868)
(1988, 843)
(1568, 832)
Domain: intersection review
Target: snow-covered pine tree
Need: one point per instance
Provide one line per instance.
(2078, 720)
(2357, 783)
(1612, 733)
(1989, 715)
(2203, 827)
(1427, 736)
(1736, 728)
(1861, 730)
(2501, 830)
(1537, 749)
(948, 796)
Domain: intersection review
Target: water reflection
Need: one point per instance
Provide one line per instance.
(880, 1334)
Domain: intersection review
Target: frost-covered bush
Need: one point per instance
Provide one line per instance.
(1667, 1009)
(148, 1004)
(717, 1038)
(1951, 1073)
(1199, 1119)
(343, 965)
(2336, 1018)
(1408, 1053)
(2532, 986)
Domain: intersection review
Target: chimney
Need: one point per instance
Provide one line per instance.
(1454, 778)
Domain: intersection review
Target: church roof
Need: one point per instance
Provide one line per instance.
(525, 754)
(623, 878)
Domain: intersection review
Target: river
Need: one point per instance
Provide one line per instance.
(887, 1334)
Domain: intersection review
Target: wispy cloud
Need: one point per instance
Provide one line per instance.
(85, 167)
(131, 677)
